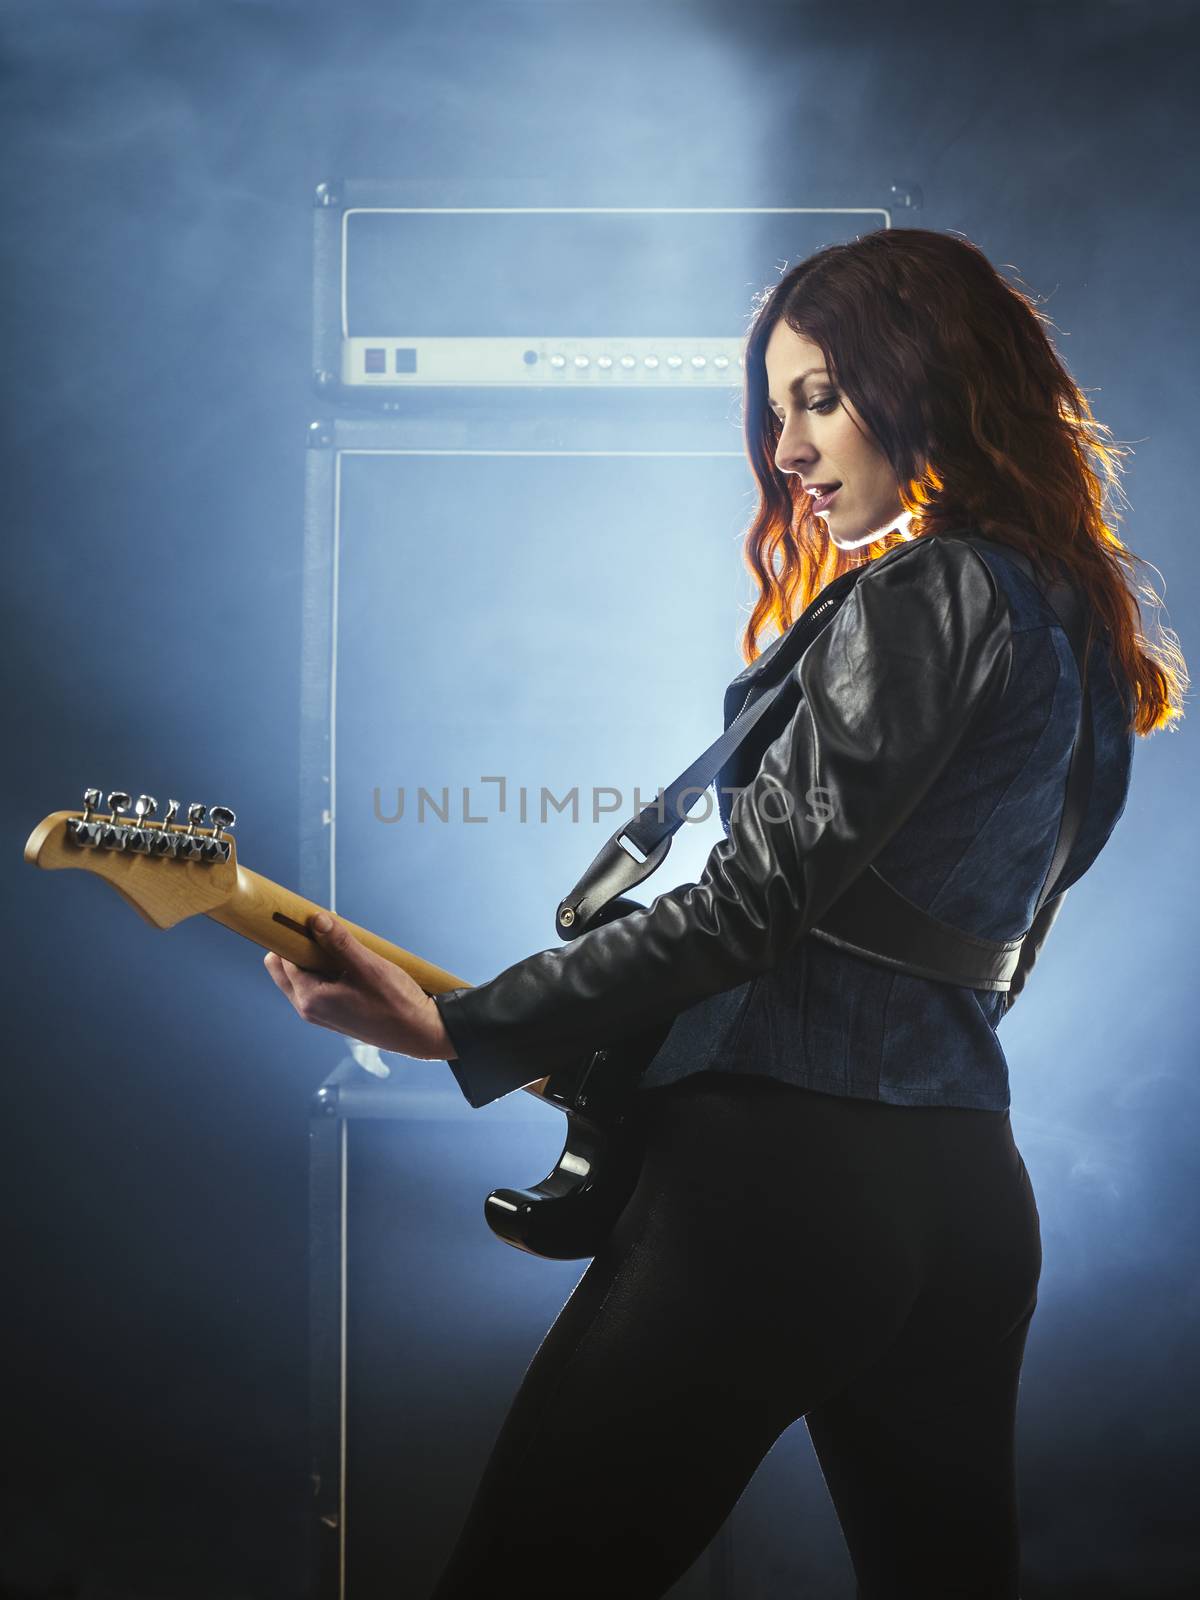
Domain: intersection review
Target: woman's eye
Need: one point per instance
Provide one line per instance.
(822, 407)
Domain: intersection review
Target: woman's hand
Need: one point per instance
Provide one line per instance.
(370, 999)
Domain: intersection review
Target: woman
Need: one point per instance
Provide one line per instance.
(832, 1220)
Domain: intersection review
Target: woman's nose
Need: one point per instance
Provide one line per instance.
(792, 454)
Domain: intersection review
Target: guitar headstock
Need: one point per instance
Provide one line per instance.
(167, 870)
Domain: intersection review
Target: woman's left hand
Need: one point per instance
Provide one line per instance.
(370, 999)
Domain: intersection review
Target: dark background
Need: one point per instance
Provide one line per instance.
(159, 164)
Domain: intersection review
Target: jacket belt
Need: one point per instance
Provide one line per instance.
(903, 936)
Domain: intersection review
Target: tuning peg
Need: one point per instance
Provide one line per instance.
(139, 838)
(216, 848)
(163, 838)
(83, 830)
(112, 834)
(187, 846)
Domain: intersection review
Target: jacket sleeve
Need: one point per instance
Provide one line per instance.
(1031, 945)
(886, 693)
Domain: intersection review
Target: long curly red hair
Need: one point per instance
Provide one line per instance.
(952, 369)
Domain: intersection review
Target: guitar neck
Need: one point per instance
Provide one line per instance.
(276, 919)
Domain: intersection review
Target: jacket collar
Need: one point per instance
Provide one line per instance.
(781, 655)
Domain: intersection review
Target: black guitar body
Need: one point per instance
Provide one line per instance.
(569, 1214)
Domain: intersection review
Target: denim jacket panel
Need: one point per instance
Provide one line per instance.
(978, 851)
(975, 853)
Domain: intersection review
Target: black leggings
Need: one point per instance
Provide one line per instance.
(871, 1268)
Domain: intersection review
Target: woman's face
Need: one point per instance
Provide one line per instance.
(824, 442)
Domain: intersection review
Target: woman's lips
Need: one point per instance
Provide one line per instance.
(822, 502)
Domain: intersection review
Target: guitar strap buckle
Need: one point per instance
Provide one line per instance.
(595, 898)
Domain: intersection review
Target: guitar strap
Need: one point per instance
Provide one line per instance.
(639, 846)
(871, 919)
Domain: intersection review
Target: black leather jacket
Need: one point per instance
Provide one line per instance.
(885, 695)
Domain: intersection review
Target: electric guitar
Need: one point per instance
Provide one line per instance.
(168, 870)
